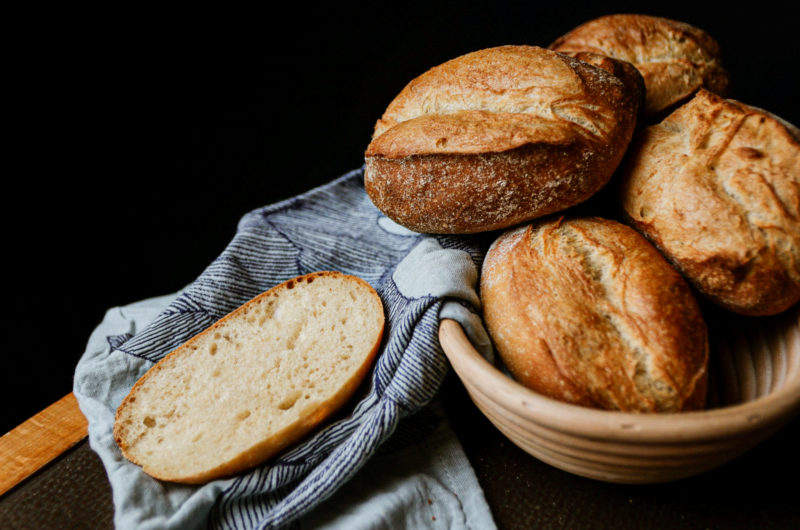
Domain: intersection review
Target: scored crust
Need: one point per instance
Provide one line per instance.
(497, 137)
(675, 59)
(623, 70)
(588, 312)
(253, 383)
(716, 186)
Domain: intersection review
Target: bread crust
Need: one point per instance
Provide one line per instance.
(260, 450)
(586, 311)
(716, 187)
(497, 137)
(623, 70)
(675, 59)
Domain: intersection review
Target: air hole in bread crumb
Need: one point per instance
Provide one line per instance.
(289, 401)
(213, 348)
(149, 421)
(243, 415)
(197, 437)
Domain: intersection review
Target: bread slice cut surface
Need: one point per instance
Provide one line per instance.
(255, 382)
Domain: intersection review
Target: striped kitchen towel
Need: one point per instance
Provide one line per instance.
(420, 278)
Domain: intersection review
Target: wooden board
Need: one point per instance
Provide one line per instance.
(40, 439)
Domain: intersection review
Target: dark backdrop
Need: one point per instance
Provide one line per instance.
(139, 138)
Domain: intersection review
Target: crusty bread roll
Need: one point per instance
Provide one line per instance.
(675, 58)
(588, 312)
(253, 383)
(497, 137)
(716, 186)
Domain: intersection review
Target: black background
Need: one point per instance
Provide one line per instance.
(139, 138)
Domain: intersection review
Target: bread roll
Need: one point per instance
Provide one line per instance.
(588, 312)
(716, 186)
(253, 383)
(675, 58)
(497, 137)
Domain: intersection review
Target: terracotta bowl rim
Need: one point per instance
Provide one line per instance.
(479, 375)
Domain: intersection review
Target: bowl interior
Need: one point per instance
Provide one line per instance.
(752, 357)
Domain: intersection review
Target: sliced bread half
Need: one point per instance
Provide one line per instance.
(255, 382)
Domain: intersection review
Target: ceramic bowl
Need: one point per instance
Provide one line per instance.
(754, 389)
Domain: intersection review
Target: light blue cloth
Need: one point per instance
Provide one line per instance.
(393, 462)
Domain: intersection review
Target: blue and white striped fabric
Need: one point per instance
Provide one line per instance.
(419, 278)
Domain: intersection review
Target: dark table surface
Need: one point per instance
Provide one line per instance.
(140, 137)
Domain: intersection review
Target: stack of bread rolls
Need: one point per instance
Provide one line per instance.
(601, 312)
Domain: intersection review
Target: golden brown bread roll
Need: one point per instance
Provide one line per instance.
(675, 58)
(587, 311)
(497, 137)
(716, 186)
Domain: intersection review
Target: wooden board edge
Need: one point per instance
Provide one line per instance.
(38, 440)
